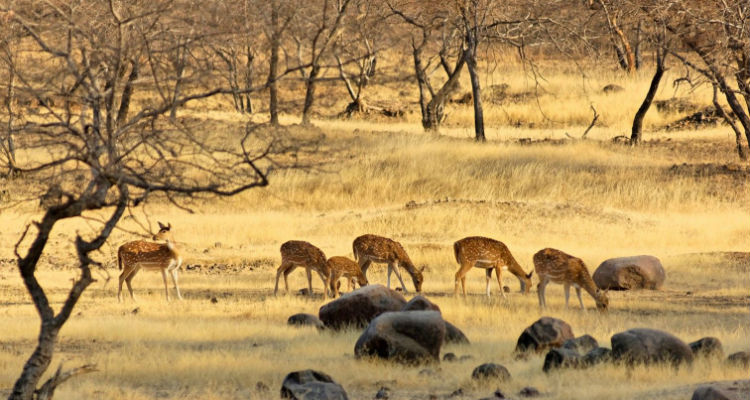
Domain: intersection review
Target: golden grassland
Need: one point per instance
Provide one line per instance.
(593, 199)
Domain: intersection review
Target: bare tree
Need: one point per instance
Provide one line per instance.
(716, 34)
(427, 26)
(103, 147)
(636, 132)
(321, 24)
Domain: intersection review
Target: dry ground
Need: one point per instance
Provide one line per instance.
(681, 197)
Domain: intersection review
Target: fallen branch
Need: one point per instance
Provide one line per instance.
(591, 125)
(47, 391)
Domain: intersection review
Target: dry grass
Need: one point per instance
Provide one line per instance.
(592, 199)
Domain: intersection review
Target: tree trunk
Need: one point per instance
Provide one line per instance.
(637, 50)
(309, 94)
(637, 130)
(248, 107)
(273, 65)
(476, 89)
(37, 364)
(10, 146)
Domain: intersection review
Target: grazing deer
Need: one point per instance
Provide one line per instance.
(339, 267)
(378, 249)
(296, 253)
(555, 266)
(482, 252)
(133, 256)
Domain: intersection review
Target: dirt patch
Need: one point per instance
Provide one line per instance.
(676, 105)
(221, 268)
(711, 170)
(706, 117)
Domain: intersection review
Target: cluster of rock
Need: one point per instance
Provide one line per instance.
(414, 332)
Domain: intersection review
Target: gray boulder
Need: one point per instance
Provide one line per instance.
(420, 303)
(303, 319)
(740, 358)
(311, 385)
(708, 392)
(409, 337)
(561, 358)
(359, 307)
(625, 273)
(646, 346)
(612, 88)
(581, 344)
(709, 347)
(490, 371)
(596, 356)
(454, 335)
(543, 334)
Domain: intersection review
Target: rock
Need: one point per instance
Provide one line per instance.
(303, 319)
(544, 333)
(420, 303)
(410, 337)
(612, 88)
(707, 347)
(561, 358)
(708, 392)
(497, 395)
(383, 393)
(740, 358)
(596, 356)
(642, 345)
(454, 335)
(625, 273)
(359, 307)
(427, 372)
(582, 344)
(311, 385)
(449, 357)
(466, 357)
(529, 391)
(490, 371)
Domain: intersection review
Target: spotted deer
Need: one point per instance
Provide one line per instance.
(378, 249)
(339, 267)
(133, 256)
(553, 265)
(482, 252)
(296, 253)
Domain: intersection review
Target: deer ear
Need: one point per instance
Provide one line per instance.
(161, 226)
(169, 225)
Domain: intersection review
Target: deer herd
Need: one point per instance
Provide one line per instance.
(550, 265)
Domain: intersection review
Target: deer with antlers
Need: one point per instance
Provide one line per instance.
(490, 254)
(296, 253)
(133, 256)
(553, 265)
(378, 249)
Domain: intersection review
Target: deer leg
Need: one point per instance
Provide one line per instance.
(580, 300)
(283, 268)
(164, 278)
(119, 288)
(364, 263)
(566, 288)
(461, 277)
(395, 269)
(173, 272)
(326, 284)
(500, 282)
(351, 284)
(309, 281)
(488, 276)
(540, 292)
(128, 279)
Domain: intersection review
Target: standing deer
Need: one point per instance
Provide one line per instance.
(482, 252)
(555, 266)
(133, 256)
(378, 249)
(339, 267)
(296, 253)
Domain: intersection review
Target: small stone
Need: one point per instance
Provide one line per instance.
(214, 300)
(449, 357)
(529, 391)
(135, 310)
(457, 392)
(383, 393)
(740, 358)
(490, 371)
(261, 387)
(427, 372)
(506, 289)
